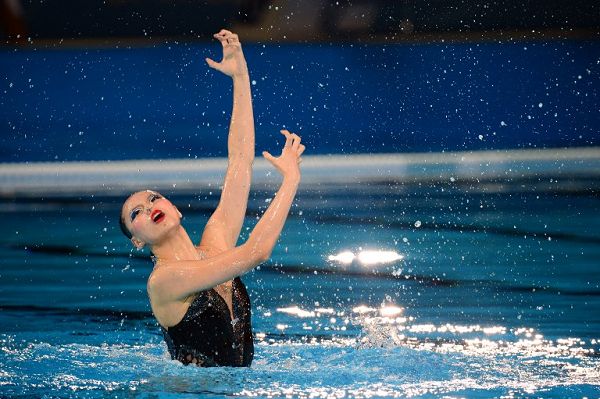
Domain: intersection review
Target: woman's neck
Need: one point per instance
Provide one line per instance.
(176, 246)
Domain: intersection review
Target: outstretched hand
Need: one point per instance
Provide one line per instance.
(233, 63)
(288, 163)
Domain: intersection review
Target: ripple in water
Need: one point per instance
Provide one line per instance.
(392, 356)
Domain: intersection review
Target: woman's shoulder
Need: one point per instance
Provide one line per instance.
(156, 278)
(153, 282)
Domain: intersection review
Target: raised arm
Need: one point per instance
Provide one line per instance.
(225, 224)
(179, 279)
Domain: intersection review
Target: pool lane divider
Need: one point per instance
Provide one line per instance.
(186, 175)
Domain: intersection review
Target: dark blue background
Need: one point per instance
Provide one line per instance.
(162, 101)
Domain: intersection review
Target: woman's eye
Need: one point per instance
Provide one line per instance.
(154, 197)
(134, 213)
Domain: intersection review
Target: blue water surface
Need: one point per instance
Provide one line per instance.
(496, 295)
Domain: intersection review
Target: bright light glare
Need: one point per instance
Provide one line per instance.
(296, 311)
(366, 257)
(363, 309)
(390, 311)
(343, 257)
(372, 257)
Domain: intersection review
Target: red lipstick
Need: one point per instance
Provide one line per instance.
(157, 216)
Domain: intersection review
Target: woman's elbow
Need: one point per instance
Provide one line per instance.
(259, 253)
(263, 255)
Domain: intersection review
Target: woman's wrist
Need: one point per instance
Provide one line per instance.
(241, 76)
(291, 179)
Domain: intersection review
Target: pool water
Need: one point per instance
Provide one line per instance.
(494, 292)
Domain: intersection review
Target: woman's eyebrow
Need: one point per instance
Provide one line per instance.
(133, 208)
(150, 194)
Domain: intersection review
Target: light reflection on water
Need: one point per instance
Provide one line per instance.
(392, 356)
(366, 257)
(457, 319)
(423, 359)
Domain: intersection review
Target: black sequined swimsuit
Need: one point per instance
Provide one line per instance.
(208, 334)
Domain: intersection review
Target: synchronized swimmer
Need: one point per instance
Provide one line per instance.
(195, 291)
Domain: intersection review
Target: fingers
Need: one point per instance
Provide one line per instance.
(288, 137)
(292, 139)
(233, 39)
(296, 141)
(293, 149)
(301, 149)
(226, 37)
(268, 156)
(213, 64)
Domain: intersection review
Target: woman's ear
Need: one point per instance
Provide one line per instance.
(139, 244)
(179, 213)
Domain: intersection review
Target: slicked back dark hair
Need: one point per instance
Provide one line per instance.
(124, 228)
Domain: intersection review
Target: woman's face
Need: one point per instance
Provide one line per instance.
(149, 217)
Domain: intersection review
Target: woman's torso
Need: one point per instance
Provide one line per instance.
(170, 313)
(211, 327)
(207, 335)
